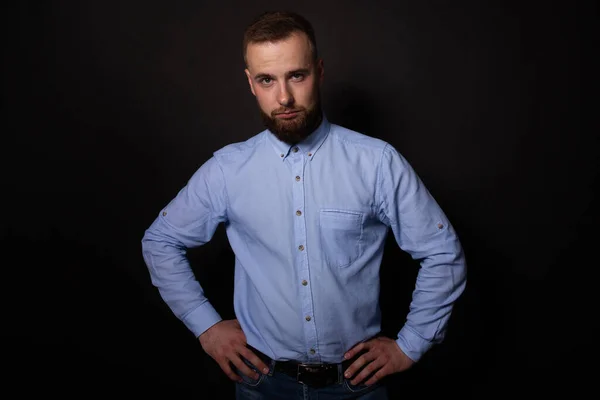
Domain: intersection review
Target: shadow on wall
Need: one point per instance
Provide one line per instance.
(351, 107)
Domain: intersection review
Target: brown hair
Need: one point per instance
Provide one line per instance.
(272, 26)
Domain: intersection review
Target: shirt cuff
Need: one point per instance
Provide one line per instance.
(202, 318)
(411, 344)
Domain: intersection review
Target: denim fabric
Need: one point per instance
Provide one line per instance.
(276, 385)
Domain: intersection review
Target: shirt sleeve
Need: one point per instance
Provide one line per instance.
(421, 229)
(189, 220)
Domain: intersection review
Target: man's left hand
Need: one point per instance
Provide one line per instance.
(382, 357)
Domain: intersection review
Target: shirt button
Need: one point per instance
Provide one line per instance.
(297, 178)
(281, 155)
(164, 213)
(295, 149)
(312, 351)
(298, 213)
(300, 247)
(307, 318)
(309, 154)
(440, 226)
(304, 282)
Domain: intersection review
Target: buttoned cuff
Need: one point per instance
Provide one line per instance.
(202, 318)
(411, 344)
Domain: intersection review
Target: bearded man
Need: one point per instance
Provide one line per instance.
(307, 206)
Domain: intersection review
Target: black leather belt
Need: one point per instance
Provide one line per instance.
(315, 375)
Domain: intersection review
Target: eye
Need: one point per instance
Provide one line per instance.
(297, 76)
(265, 81)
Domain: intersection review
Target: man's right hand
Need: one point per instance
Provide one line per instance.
(225, 342)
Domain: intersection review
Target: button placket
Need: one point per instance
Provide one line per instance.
(302, 267)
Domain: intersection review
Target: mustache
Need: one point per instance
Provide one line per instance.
(287, 110)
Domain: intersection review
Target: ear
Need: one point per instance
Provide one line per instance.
(250, 82)
(321, 70)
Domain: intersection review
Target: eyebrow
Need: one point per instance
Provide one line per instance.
(304, 71)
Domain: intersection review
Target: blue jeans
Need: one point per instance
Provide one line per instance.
(276, 385)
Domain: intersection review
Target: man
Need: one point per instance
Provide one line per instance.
(307, 205)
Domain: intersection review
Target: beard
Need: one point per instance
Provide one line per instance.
(293, 130)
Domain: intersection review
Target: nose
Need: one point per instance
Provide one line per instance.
(285, 97)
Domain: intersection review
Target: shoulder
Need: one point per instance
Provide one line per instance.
(380, 151)
(239, 151)
(361, 143)
(349, 137)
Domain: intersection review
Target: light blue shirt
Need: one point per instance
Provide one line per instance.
(307, 225)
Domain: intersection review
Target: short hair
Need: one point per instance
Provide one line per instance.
(272, 26)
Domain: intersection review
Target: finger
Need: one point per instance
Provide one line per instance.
(372, 368)
(254, 360)
(382, 372)
(243, 367)
(359, 363)
(226, 367)
(355, 350)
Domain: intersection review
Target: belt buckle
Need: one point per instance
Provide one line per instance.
(308, 374)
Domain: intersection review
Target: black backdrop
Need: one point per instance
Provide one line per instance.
(109, 107)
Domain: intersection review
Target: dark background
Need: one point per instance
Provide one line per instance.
(108, 107)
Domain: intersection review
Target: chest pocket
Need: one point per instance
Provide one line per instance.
(341, 233)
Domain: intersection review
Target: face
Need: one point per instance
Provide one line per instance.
(285, 80)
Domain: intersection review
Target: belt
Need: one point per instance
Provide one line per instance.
(315, 375)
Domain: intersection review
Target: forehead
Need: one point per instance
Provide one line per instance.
(291, 53)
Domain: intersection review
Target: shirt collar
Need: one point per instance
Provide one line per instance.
(308, 146)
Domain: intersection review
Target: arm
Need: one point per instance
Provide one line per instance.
(422, 230)
(189, 220)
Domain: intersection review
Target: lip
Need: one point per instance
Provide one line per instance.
(287, 114)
